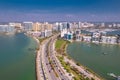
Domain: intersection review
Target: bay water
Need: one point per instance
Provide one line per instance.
(17, 62)
(101, 58)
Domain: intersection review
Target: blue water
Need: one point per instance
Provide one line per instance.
(101, 58)
(16, 61)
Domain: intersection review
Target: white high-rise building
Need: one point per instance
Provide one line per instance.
(102, 24)
(79, 25)
(7, 28)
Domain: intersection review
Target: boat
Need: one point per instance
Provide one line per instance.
(105, 53)
(113, 75)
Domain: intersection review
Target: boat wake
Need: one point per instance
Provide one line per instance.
(113, 75)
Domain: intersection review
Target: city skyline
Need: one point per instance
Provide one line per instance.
(54, 10)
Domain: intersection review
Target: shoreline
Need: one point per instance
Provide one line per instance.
(36, 63)
(36, 60)
(70, 59)
(98, 43)
(83, 66)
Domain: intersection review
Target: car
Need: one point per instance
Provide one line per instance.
(59, 70)
(69, 74)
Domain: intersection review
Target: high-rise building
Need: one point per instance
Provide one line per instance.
(118, 25)
(27, 26)
(37, 26)
(79, 24)
(48, 26)
(16, 25)
(7, 28)
(60, 27)
(102, 24)
(65, 25)
(114, 25)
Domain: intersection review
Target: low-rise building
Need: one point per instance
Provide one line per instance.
(48, 33)
(16, 25)
(109, 39)
(66, 34)
(87, 38)
(69, 36)
(36, 33)
(96, 37)
(78, 35)
(63, 32)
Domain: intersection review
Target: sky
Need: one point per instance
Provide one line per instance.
(60, 10)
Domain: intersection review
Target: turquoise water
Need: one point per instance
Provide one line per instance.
(16, 61)
(102, 58)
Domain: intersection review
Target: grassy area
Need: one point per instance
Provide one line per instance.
(71, 69)
(59, 43)
(60, 47)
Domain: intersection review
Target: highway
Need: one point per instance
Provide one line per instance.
(49, 66)
(39, 67)
(48, 69)
(55, 62)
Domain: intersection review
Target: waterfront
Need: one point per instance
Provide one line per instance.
(17, 62)
(102, 58)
